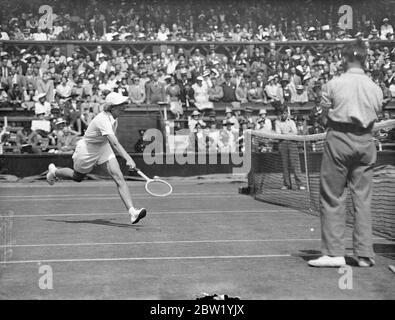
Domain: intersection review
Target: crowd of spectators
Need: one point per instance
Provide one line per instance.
(66, 92)
(173, 20)
(74, 87)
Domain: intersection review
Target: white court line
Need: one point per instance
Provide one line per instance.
(162, 242)
(149, 242)
(146, 258)
(151, 213)
(173, 196)
(108, 195)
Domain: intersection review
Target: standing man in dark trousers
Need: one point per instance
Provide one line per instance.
(352, 102)
(289, 151)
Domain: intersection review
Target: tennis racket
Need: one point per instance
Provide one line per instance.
(156, 187)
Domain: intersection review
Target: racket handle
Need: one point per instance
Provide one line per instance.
(140, 173)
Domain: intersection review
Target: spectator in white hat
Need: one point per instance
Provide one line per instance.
(231, 117)
(172, 65)
(136, 91)
(300, 95)
(96, 148)
(194, 119)
(64, 137)
(200, 88)
(228, 137)
(263, 123)
(163, 33)
(63, 89)
(42, 107)
(386, 29)
(271, 89)
(311, 35)
(326, 30)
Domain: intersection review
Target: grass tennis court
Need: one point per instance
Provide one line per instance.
(205, 237)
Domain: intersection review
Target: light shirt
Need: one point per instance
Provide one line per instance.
(271, 90)
(43, 125)
(101, 126)
(385, 29)
(287, 127)
(40, 36)
(137, 93)
(265, 126)
(64, 90)
(392, 89)
(352, 98)
(57, 30)
(42, 108)
(106, 86)
(108, 36)
(162, 35)
(171, 67)
(103, 67)
(4, 36)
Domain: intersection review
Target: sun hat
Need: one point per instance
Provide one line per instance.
(114, 99)
(60, 121)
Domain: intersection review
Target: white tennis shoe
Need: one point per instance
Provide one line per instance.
(51, 177)
(137, 214)
(328, 262)
(364, 262)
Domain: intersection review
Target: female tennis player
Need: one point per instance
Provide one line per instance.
(95, 148)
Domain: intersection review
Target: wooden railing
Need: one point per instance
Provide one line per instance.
(67, 47)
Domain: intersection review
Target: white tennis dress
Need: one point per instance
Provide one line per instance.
(94, 148)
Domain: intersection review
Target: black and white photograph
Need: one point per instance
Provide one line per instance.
(212, 152)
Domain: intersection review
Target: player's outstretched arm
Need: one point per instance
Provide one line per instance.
(114, 142)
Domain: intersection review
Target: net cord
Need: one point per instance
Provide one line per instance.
(312, 137)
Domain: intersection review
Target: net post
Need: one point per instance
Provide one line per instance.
(306, 166)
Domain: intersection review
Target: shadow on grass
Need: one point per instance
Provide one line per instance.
(308, 255)
(101, 222)
(386, 250)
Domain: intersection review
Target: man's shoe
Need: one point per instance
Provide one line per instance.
(137, 214)
(365, 262)
(285, 188)
(328, 262)
(51, 177)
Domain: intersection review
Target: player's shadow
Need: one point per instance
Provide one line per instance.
(101, 222)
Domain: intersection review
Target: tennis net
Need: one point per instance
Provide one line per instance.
(302, 154)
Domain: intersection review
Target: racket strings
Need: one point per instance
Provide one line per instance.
(158, 188)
